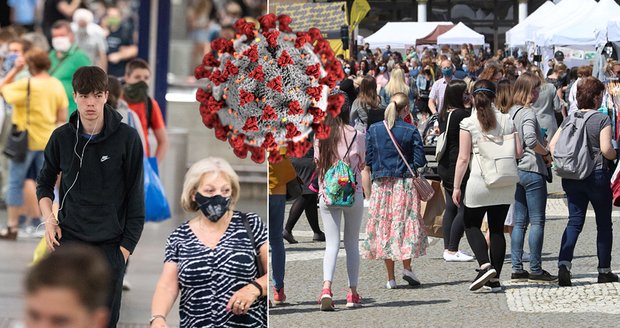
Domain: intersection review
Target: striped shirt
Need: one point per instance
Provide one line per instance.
(209, 277)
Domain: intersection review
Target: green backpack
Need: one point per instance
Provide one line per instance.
(339, 183)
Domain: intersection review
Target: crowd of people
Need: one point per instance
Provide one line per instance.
(396, 103)
(73, 86)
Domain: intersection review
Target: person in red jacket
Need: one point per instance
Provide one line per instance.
(137, 74)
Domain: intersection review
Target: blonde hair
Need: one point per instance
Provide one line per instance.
(397, 83)
(398, 103)
(198, 171)
(523, 89)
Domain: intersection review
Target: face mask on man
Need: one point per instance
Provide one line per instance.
(465, 68)
(136, 92)
(347, 70)
(381, 69)
(213, 207)
(446, 72)
(61, 43)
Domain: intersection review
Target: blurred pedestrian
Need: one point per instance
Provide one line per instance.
(90, 37)
(120, 42)
(69, 288)
(39, 106)
(66, 58)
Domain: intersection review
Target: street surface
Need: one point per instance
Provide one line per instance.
(443, 300)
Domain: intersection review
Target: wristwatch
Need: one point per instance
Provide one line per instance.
(157, 316)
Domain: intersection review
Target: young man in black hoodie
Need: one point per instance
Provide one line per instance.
(101, 187)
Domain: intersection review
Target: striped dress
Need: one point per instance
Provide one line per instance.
(209, 277)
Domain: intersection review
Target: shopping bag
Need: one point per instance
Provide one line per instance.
(156, 207)
(615, 185)
(39, 252)
(432, 211)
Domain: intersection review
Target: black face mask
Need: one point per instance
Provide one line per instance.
(214, 207)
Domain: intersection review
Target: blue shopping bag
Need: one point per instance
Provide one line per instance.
(156, 207)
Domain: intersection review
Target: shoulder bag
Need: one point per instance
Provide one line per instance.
(17, 142)
(424, 188)
(440, 148)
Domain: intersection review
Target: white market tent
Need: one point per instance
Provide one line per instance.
(582, 32)
(565, 13)
(400, 35)
(461, 34)
(516, 36)
(613, 30)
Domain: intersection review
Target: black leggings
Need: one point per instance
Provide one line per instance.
(496, 216)
(453, 226)
(308, 203)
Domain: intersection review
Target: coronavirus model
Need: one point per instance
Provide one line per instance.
(269, 88)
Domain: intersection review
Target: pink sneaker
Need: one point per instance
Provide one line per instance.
(278, 296)
(326, 301)
(353, 300)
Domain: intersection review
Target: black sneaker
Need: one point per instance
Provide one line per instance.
(483, 276)
(604, 278)
(493, 286)
(289, 237)
(564, 276)
(524, 275)
(544, 276)
(318, 237)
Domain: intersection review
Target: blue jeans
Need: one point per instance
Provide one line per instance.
(529, 208)
(594, 189)
(277, 205)
(17, 176)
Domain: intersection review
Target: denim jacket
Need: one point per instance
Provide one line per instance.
(382, 156)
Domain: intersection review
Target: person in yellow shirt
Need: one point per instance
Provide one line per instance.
(279, 175)
(39, 106)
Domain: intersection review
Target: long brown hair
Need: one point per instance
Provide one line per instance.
(503, 100)
(328, 148)
(484, 95)
(368, 93)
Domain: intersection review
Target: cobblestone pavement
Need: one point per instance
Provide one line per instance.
(443, 299)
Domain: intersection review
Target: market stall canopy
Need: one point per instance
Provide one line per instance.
(460, 34)
(613, 30)
(516, 36)
(565, 11)
(583, 32)
(432, 37)
(400, 35)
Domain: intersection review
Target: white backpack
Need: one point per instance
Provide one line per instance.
(496, 156)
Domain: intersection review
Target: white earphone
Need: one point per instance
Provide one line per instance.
(77, 139)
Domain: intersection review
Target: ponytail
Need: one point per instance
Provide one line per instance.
(398, 102)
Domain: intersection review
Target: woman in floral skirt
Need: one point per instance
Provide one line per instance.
(395, 231)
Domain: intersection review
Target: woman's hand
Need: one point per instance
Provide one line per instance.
(241, 301)
(159, 323)
(456, 197)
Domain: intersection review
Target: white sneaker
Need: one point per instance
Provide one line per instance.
(366, 202)
(391, 284)
(410, 277)
(456, 257)
(525, 257)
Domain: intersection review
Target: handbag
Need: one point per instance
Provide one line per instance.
(424, 188)
(496, 156)
(257, 262)
(17, 142)
(440, 148)
(294, 188)
(432, 212)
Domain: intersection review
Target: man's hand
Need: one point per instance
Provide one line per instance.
(53, 234)
(125, 253)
